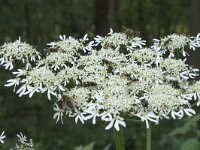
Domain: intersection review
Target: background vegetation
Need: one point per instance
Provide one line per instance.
(41, 21)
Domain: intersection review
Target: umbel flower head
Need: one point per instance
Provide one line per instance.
(18, 51)
(23, 143)
(115, 78)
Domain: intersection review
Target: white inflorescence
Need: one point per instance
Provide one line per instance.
(11, 53)
(114, 78)
(23, 143)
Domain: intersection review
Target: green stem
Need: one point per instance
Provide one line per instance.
(134, 120)
(119, 140)
(149, 137)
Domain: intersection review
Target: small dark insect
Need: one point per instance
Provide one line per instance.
(129, 77)
(164, 106)
(107, 62)
(130, 32)
(144, 103)
(88, 84)
(67, 102)
(122, 61)
(110, 70)
(51, 50)
(126, 75)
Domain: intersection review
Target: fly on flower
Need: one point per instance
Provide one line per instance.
(67, 102)
(130, 32)
(51, 50)
(88, 84)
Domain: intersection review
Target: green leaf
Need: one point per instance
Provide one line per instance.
(188, 126)
(107, 147)
(181, 130)
(87, 147)
(191, 144)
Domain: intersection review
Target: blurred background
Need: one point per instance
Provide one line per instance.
(40, 21)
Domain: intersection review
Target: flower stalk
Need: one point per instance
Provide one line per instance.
(148, 142)
(119, 139)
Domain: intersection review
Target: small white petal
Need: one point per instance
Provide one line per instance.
(110, 125)
(189, 111)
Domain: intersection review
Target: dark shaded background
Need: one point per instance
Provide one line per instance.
(41, 21)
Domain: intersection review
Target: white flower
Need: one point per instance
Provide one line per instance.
(62, 37)
(116, 121)
(50, 92)
(31, 90)
(17, 51)
(22, 90)
(111, 31)
(19, 72)
(79, 116)
(89, 47)
(12, 82)
(137, 42)
(189, 111)
(110, 76)
(52, 44)
(195, 42)
(2, 137)
(150, 116)
(69, 45)
(92, 114)
(85, 38)
(8, 65)
(23, 141)
(59, 113)
(98, 40)
(179, 114)
(22, 138)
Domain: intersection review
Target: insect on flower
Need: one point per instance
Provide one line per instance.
(88, 84)
(67, 102)
(107, 62)
(51, 50)
(144, 103)
(130, 32)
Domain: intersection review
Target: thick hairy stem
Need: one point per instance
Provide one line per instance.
(119, 140)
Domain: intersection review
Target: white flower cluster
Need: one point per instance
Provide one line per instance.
(175, 44)
(52, 73)
(23, 143)
(194, 92)
(118, 41)
(11, 53)
(115, 78)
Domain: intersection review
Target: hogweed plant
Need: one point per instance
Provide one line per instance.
(114, 78)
